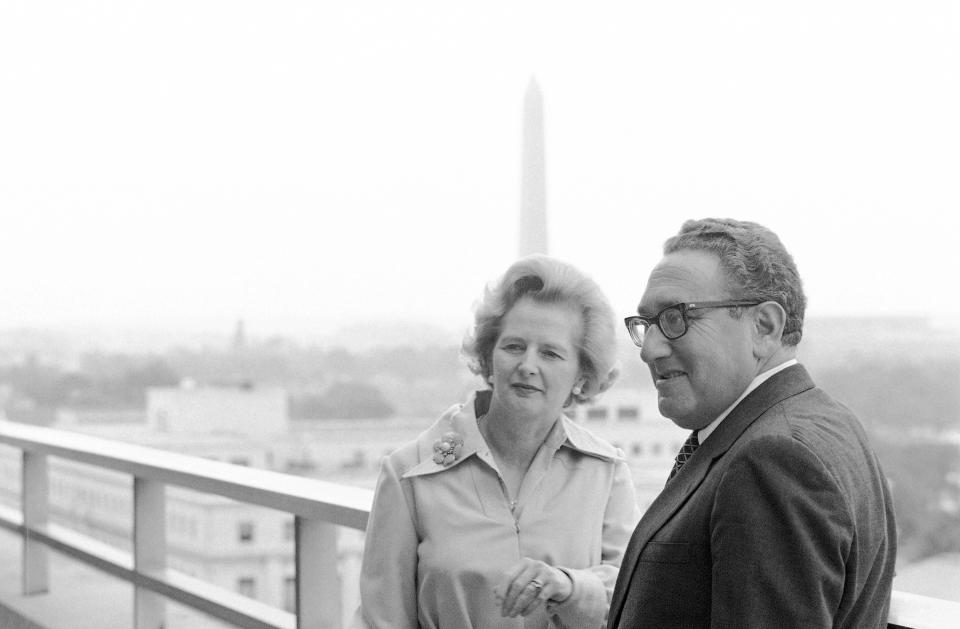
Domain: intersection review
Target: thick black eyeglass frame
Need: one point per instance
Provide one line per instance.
(684, 308)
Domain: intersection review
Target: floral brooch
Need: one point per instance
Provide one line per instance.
(447, 448)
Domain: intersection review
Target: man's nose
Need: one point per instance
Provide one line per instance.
(655, 345)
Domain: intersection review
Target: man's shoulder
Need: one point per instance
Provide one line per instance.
(815, 412)
(814, 422)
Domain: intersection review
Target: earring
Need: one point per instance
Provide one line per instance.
(577, 389)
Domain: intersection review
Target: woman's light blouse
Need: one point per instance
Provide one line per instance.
(440, 537)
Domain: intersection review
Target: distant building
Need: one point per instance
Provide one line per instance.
(629, 419)
(72, 418)
(243, 409)
(835, 341)
(937, 576)
(240, 547)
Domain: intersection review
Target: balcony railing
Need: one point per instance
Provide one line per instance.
(318, 508)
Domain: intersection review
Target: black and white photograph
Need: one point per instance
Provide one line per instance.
(530, 315)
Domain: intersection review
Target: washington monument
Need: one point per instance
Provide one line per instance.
(533, 193)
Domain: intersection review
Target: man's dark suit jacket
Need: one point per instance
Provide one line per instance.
(782, 518)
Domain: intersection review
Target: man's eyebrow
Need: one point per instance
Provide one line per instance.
(657, 307)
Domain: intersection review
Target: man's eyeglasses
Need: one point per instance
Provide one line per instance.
(673, 320)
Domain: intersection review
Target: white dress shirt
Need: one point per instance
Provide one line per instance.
(704, 432)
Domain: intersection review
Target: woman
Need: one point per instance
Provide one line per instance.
(505, 513)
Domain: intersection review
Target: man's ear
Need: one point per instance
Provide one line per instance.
(769, 318)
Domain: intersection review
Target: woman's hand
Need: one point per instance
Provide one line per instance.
(529, 584)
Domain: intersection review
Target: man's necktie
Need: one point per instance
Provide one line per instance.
(686, 451)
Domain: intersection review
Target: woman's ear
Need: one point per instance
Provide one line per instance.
(612, 376)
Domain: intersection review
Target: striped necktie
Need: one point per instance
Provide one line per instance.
(686, 451)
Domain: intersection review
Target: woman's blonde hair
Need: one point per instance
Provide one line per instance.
(551, 281)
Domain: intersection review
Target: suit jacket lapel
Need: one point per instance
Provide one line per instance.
(661, 510)
(789, 382)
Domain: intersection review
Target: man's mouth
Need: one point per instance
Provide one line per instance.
(666, 376)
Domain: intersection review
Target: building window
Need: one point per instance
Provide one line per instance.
(240, 460)
(656, 448)
(245, 531)
(637, 449)
(247, 586)
(597, 413)
(288, 530)
(628, 412)
(290, 594)
(356, 462)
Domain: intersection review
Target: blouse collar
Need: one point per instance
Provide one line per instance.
(461, 419)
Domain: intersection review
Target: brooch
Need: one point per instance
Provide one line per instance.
(447, 448)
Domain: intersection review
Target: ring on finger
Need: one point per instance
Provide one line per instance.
(536, 583)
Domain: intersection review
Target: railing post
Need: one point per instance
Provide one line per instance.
(149, 549)
(318, 580)
(35, 489)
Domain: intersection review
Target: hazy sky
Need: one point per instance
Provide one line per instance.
(297, 164)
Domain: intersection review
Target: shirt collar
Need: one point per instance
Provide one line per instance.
(462, 419)
(582, 440)
(705, 432)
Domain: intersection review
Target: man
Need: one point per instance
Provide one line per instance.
(781, 516)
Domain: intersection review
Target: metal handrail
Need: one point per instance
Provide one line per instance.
(913, 611)
(318, 508)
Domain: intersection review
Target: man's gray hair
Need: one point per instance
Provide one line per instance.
(757, 265)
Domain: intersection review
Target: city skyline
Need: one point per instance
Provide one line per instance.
(361, 335)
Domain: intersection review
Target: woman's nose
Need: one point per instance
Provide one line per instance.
(528, 363)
